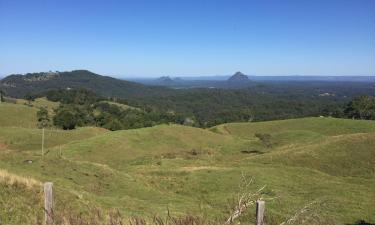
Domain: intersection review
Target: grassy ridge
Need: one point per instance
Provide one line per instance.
(324, 126)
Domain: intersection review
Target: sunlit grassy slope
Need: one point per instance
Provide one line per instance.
(17, 115)
(196, 171)
(321, 125)
(39, 102)
(18, 129)
(23, 113)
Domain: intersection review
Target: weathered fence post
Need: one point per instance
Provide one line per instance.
(48, 203)
(261, 205)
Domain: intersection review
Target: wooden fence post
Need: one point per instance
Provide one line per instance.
(48, 203)
(261, 205)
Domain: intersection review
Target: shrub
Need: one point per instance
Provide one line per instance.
(65, 119)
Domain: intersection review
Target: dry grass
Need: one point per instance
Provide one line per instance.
(12, 179)
(99, 217)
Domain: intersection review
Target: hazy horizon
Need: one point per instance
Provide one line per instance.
(119, 76)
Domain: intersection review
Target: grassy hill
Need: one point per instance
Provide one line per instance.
(196, 171)
(22, 113)
(324, 126)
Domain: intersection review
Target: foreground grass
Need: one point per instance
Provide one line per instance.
(187, 170)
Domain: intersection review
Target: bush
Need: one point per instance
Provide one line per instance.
(65, 119)
(113, 125)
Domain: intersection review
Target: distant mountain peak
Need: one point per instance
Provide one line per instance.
(238, 76)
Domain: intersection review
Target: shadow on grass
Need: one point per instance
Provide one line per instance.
(251, 152)
(361, 222)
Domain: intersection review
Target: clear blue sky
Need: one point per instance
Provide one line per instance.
(192, 37)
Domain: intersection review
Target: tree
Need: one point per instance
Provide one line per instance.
(113, 124)
(362, 107)
(2, 96)
(65, 119)
(43, 118)
(29, 97)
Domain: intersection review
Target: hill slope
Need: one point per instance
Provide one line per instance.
(17, 115)
(322, 125)
(20, 85)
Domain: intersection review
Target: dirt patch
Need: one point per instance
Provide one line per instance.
(3, 146)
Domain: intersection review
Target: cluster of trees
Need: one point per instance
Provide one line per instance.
(80, 107)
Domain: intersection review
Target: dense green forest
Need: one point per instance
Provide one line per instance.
(81, 107)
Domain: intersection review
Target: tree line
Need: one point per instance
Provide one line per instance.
(81, 107)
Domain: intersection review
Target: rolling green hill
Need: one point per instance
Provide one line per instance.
(197, 171)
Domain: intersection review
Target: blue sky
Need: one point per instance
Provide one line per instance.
(192, 37)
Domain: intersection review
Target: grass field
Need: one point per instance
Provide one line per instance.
(190, 170)
(17, 115)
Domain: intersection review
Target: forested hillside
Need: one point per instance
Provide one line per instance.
(20, 85)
